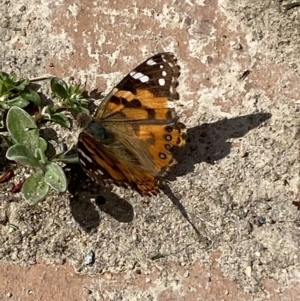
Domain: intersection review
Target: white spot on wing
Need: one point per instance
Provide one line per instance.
(144, 79)
(138, 75)
(100, 172)
(82, 162)
(164, 73)
(151, 62)
(85, 156)
(161, 82)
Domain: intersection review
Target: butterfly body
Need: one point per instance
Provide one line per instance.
(129, 140)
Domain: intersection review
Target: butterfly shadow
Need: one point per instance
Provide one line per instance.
(208, 143)
(88, 198)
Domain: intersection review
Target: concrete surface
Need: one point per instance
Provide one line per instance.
(227, 226)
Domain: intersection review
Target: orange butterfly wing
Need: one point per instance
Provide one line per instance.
(129, 141)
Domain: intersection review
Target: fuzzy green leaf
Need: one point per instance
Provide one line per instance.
(18, 101)
(22, 128)
(3, 88)
(55, 177)
(21, 84)
(31, 96)
(22, 155)
(35, 189)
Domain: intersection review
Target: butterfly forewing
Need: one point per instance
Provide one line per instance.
(150, 85)
(142, 128)
(158, 74)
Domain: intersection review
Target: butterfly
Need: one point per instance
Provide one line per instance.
(129, 140)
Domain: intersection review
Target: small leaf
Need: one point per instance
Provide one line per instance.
(18, 101)
(3, 106)
(31, 96)
(84, 110)
(59, 87)
(22, 116)
(8, 80)
(43, 144)
(291, 5)
(3, 88)
(22, 128)
(22, 155)
(61, 119)
(21, 84)
(157, 256)
(55, 177)
(34, 189)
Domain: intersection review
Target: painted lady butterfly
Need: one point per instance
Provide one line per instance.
(129, 140)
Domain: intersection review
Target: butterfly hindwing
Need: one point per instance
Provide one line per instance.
(104, 167)
(99, 166)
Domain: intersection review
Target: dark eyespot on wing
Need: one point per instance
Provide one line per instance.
(162, 156)
(168, 137)
(168, 147)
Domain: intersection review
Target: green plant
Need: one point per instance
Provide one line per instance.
(26, 147)
(69, 96)
(14, 92)
(291, 5)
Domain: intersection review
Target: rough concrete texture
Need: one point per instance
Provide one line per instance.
(227, 225)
